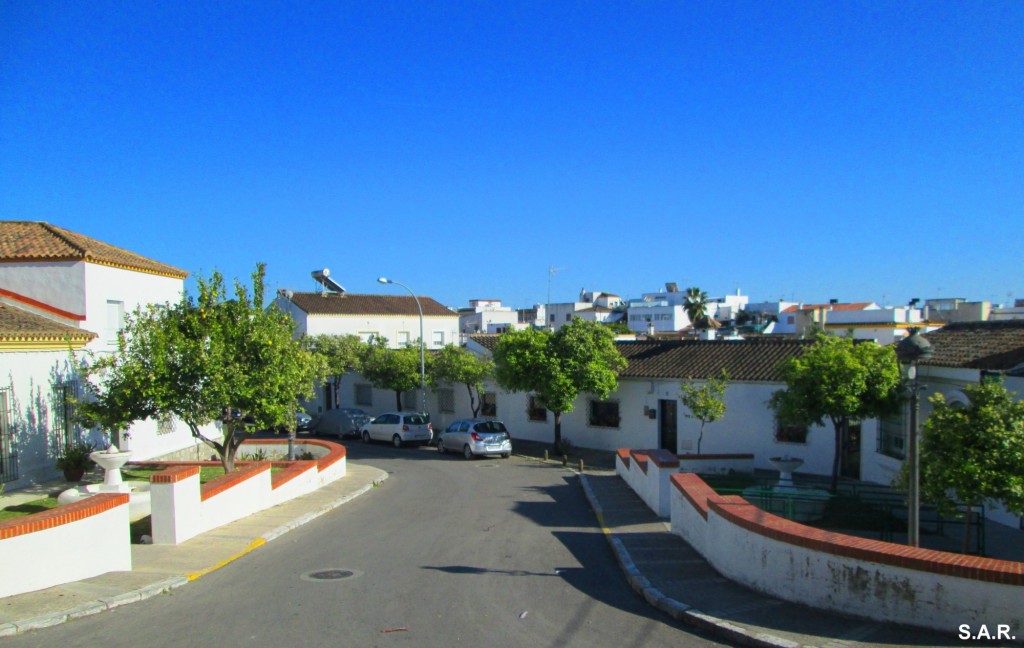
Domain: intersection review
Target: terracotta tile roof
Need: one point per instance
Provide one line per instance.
(20, 326)
(997, 346)
(316, 303)
(37, 241)
(749, 360)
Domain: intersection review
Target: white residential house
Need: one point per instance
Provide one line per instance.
(860, 320)
(393, 317)
(594, 306)
(489, 316)
(660, 312)
(76, 283)
(964, 353)
(645, 411)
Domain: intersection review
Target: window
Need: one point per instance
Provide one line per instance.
(438, 339)
(892, 433)
(568, 317)
(552, 318)
(115, 319)
(446, 400)
(791, 433)
(411, 400)
(8, 458)
(63, 401)
(367, 337)
(488, 404)
(535, 411)
(364, 394)
(403, 338)
(603, 414)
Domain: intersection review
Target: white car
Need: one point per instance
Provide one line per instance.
(474, 437)
(399, 428)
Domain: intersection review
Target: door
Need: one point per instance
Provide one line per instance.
(667, 419)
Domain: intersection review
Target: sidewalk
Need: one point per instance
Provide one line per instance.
(158, 568)
(673, 577)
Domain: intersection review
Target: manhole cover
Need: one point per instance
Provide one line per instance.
(330, 575)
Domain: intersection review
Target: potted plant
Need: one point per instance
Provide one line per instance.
(74, 460)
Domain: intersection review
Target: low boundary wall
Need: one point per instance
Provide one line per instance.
(868, 578)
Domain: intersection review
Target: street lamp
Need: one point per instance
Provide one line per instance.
(423, 365)
(910, 351)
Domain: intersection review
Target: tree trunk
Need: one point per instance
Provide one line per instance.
(474, 403)
(839, 426)
(558, 431)
(398, 400)
(967, 529)
(337, 391)
(700, 436)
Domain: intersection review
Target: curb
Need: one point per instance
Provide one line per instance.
(149, 591)
(676, 609)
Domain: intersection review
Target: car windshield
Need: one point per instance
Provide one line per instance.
(417, 419)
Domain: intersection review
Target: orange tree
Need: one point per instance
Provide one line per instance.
(205, 359)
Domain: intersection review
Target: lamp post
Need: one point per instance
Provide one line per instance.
(423, 365)
(910, 351)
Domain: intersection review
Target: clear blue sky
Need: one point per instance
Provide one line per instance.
(850, 150)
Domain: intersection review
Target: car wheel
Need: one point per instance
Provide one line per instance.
(397, 441)
(440, 446)
(504, 455)
(366, 436)
(467, 452)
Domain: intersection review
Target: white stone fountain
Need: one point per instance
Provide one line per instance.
(111, 460)
(797, 503)
(786, 465)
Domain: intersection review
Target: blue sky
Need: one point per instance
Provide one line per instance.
(853, 150)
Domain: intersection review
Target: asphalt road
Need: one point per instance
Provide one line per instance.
(446, 552)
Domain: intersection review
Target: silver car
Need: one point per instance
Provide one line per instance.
(474, 437)
(399, 428)
(342, 422)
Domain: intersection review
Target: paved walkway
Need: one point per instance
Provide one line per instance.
(673, 577)
(159, 568)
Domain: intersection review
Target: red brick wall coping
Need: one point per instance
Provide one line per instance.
(336, 451)
(623, 455)
(640, 457)
(233, 478)
(663, 458)
(62, 515)
(292, 469)
(174, 474)
(707, 457)
(738, 511)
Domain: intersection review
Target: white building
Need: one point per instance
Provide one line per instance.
(489, 316)
(75, 283)
(394, 317)
(964, 353)
(859, 320)
(594, 306)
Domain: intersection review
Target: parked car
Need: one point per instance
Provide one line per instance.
(303, 421)
(342, 422)
(399, 428)
(474, 437)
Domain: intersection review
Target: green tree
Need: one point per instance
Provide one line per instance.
(340, 353)
(705, 400)
(202, 360)
(455, 365)
(579, 358)
(975, 452)
(841, 381)
(394, 369)
(696, 305)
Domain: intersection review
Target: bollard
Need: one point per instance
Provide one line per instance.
(565, 460)
(545, 455)
(581, 465)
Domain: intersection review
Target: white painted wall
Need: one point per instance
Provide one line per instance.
(60, 284)
(134, 289)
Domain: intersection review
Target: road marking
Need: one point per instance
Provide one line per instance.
(258, 542)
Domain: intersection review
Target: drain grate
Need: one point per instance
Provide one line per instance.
(330, 575)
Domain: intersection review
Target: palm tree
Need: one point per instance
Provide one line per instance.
(696, 304)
